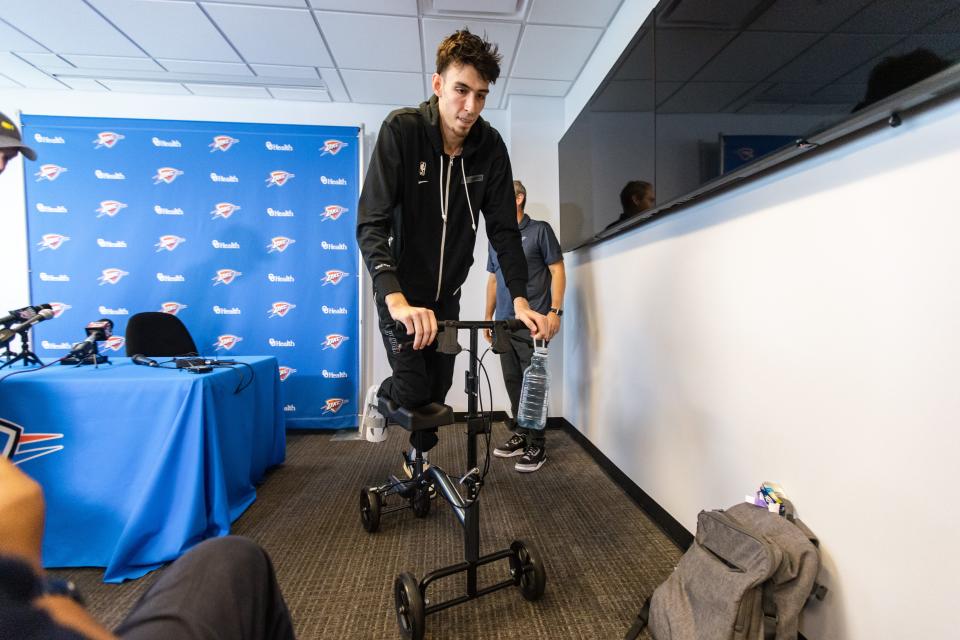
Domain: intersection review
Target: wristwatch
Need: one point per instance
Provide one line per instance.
(50, 586)
(559, 312)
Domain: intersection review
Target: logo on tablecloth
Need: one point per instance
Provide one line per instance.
(333, 405)
(15, 441)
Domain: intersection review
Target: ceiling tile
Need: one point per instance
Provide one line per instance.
(46, 61)
(626, 95)
(273, 3)
(704, 97)
(83, 84)
(168, 29)
(553, 53)
(313, 95)
(813, 16)
(212, 68)
(889, 16)
(7, 83)
(142, 86)
(680, 53)
(638, 65)
(13, 40)
(949, 23)
(25, 74)
(596, 13)
(58, 27)
(272, 36)
(488, 6)
(763, 109)
(285, 71)
(113, 62)
(331, 79)
(503, 34)
(397, 41)
(528, 87)
(754, 56)
(394, 7)
(382, 87)
(838, 52)
(227, 91)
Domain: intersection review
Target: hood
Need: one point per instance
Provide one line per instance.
(479, 132)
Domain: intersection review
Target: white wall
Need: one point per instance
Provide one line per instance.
(800, 329)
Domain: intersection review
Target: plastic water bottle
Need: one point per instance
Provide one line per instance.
(532, 413)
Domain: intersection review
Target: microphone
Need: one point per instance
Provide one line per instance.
(24, 313)
(144, 360)
(6, 335)
(97, 331)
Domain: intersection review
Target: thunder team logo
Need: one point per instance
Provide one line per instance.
(332, 147)
(280, 309)
(279, 178)
(15, 443)
(222, 143)
(112, 276)
(169, 243)
(333, 405)
(225, 276)
(333, 341)
(334, 276)
(166, 175)
(107, 139)
(173, 308)
(59, 307)
(52, 241)
(49, 172)
(333, 212)
(280, 243)
(227, 341)
(223, 210)
(115, 343)
(110, 208)
(286, 372)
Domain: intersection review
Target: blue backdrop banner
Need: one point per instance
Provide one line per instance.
(244, 231)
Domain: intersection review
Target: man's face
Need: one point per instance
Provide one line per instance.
(461, 93)
(649, 199)
(6, 155)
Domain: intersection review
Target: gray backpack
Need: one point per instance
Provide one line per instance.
(747, 576)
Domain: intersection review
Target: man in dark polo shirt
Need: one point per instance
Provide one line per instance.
(546, 281)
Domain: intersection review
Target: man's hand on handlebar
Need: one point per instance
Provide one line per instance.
(538, 325)
(419, 322)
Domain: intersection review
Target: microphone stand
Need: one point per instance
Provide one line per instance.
(89, 355)
(28, 357)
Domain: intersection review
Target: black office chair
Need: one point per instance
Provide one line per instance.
(158, 334)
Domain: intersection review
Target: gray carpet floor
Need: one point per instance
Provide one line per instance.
(602, 554)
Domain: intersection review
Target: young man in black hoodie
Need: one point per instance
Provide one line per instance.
(433, 171)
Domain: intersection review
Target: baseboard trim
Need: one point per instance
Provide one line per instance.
(667, 523)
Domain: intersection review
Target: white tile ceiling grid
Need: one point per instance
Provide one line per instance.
(362, 51)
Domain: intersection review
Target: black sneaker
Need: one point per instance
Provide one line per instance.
(512, 447)
(533, 458)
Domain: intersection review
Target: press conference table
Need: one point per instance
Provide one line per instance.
(152, 462)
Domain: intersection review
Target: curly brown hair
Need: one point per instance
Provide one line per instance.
(463, 47)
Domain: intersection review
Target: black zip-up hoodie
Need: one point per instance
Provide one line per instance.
(416, 224)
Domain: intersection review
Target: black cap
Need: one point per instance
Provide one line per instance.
(10, 138)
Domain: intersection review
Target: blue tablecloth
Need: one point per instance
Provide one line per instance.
(152, 461)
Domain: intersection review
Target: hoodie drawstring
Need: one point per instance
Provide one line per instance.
(473, 220)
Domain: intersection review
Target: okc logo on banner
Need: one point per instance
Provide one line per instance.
(107, 139)
(173, 308)
(49, 172)
(222, 143)
(280, 309)
(279, 178)
(111, 276)
(332, 212)
(169, 243)
(334, 276)
(58, 308)
(166, 175)
(280, 243)
(223, 210)
(52, 241)
(227, 341)
(332, 147)
(110, 208)
(286, 372)
(115, 343)
(333, 404)
(333, 341)
(225, 276)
